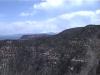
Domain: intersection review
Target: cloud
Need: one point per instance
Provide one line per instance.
(24, 14)
(98, 12)
(55, 24)
(75, 19)
(36, 27)
(57, 7)
(28, 27)
(68, 20)
(69, 16)
(27, 14)
(48, 4)
(96, 18)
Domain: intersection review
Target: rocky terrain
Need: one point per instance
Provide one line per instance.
(74, 51)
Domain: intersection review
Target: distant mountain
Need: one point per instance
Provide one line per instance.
(74, 51)
(24, 36)
(34, 36)
(11, 37)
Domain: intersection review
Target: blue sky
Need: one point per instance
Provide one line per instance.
(44, 16)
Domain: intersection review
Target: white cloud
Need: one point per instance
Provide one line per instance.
(30, 27)
(98, 12)
(48, 4)
(69, 16)
(25, 14)
(75, 2)
(77, 19)
(57, 6)
(55, 24)
(55, 2)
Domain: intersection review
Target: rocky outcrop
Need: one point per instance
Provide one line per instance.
(72, 52)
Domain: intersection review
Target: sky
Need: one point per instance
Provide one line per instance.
(45, 16)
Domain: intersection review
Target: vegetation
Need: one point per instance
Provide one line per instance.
(72, 52)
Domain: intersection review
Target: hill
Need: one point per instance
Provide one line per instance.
(74, 51)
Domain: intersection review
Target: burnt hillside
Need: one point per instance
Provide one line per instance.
(74, 51)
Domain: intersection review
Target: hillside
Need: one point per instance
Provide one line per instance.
(35, 36)
(74, 51)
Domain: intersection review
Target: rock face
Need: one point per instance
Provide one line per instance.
(72, 52)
